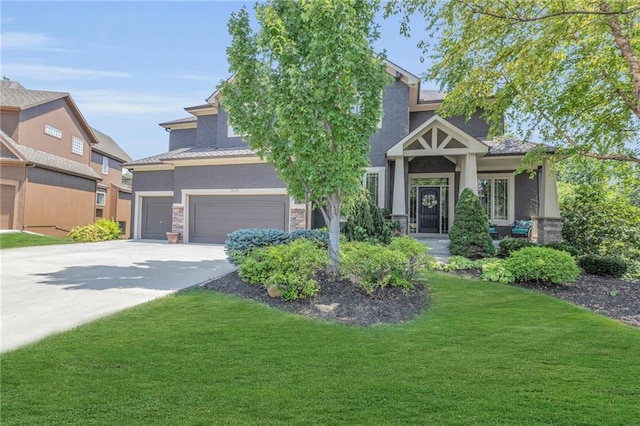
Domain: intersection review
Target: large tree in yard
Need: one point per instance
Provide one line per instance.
(570, 69)
(306, 93)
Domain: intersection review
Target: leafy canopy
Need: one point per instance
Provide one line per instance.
(569, 69)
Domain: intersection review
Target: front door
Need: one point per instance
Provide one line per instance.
(429, 210)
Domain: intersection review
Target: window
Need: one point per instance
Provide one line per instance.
(101, 197)
(373, 180)
(52, 131)
(231, 132)
(496, 196)
(105, 165)
(77, 145)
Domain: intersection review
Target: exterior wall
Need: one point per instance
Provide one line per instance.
(14, 176)
(527, 196)
(395, 122)
(113, 176)
(122, 210)
(9, 124)
(182, 138)
(222, 138)
(161, 180)
(224, 177)
(476, 126)
(55, 209)
(60, 115)
(431, 165)
(206, 132)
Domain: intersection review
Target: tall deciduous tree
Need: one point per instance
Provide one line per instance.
(570, 68)
(307, 95)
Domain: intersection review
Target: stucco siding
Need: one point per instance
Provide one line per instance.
(207, 130)
(476, 126)
(9, 124)
(182, 138)
(161, 180)
(222, 138)
(395, 122)
(527, 195)
(431, 165)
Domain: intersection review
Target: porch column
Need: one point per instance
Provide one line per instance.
(468, 173)
(399, 209)
(547, 226)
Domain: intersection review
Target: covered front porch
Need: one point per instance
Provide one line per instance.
(433, 164)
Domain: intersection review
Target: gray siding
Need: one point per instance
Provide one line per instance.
(431, 165)
(206, 133)
(53, 178)
(222, 140)
(182, 138)
(161, 180)
(395, 122)
(476, 126)
(527, 194)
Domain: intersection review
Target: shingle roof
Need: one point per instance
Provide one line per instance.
(13, 94)
(510, 146)
(108, 146)
(50, 161)
(191, 119)
(192, 153)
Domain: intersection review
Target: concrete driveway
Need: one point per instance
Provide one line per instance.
(49, 289)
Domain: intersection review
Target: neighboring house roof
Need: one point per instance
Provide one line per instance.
(13, 94)
(192, 153)
(510, 146)
(106, 145)
(49, 161)
(192, 119)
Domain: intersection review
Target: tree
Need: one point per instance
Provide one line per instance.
(569, 69)
(469, 233)
(307, 94)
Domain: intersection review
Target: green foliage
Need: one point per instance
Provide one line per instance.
(242, 241)
(415, 253)
(457, 263)
(607, 266)
(542, 264)
(373, 266)
(566, 69)
(318, 236)
(469, 234)
(496, 270)
(367, 222)
(306, 92)
(27, 239)
(102, 230)
(290, 267)
(509, 244)
(564, 246)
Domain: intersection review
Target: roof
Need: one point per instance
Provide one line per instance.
(193, 153)
(109, 147)
(13, 94)
(511, 146)
(49, 161)
(192, 119)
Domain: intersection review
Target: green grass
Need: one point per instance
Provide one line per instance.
(25, 239)
(482, 354)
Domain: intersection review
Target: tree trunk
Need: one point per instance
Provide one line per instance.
(331, 214)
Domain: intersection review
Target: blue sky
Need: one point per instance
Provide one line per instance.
(131, 65)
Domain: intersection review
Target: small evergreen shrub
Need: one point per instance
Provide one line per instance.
(368, 222)
(607, 266)
(373, 266)
(469, 234)
(318, 236)
(495, 270)
(242, 241)
(102, 230)
(564, 246)
(292, 268)
(542, 264)
(509, 244)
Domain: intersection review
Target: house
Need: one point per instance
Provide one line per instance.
(56, 172)
(210, 183)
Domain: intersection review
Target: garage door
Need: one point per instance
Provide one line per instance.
(7, 199)
(156, 217)
(211, 218)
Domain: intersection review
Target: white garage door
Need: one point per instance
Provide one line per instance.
(211, 218)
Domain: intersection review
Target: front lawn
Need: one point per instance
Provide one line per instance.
(25, 239)
(482, 354)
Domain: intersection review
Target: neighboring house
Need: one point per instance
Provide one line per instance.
(52, 173)
(210, 183)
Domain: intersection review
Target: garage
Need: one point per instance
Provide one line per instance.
(156, 217)
(212, 217)
(8, 196)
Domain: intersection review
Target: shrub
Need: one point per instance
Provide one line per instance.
(242, 241)
(321, 237)
(368, 222)
(102, 230)
(415, 252)
(607, 266)
(372, 266)
(496, 270)
(457, 263)
(564, 246)
(542, 264)
(292, 268)
(469, 234)
(509, 244)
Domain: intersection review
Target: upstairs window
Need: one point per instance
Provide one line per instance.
(231, 132)
(52, 131)
(101, 197)
(105, 165)
(77, 145)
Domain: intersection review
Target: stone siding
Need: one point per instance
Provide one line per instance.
(177, 220)
(546, 230)
(297, 217)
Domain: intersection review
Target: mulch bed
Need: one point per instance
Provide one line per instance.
(615, 298)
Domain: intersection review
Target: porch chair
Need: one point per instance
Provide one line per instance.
(521, 229)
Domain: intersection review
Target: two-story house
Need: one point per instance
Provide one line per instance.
(210, 183)
(53, 172)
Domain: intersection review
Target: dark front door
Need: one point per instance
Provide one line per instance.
(429, 210)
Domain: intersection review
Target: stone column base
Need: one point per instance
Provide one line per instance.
(546, 230)
(404, 222)
(177, 220)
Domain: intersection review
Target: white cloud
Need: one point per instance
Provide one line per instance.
(54, 73)
(121, 103)
(29, 41)
(199, 77)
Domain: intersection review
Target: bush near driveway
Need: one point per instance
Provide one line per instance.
(102, 230)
